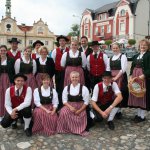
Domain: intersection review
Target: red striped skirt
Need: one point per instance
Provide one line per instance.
(119, 80)
(44, 124)
(68, 70)
(39, 80)
(68, 122)
(31, 82)
(4, 84)
(137, 101)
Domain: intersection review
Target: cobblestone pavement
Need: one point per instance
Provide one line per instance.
(126, 136)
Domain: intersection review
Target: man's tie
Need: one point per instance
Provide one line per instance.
(95, 55)
(17, 92)
(62, 50)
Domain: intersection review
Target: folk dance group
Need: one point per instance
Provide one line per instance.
(27, 89)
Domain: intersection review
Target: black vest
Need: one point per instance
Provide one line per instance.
(115, 64)
(77, 98)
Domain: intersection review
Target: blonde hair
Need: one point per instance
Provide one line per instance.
(43, 47)
(46, 76)
(74, 73)
(147, 43)
(116, 43)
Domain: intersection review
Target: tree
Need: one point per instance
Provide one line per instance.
(108, 42)
(131, 42)
(75, 30)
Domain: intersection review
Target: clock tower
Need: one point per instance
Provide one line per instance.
(8, 8)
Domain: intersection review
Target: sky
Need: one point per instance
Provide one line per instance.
(57, 13)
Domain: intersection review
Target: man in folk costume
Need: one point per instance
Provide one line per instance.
(97, 63)
(106, 96)
(18, 103)
(59, 74)
(14, 52)
(36, 45)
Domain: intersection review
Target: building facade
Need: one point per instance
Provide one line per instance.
(124, 19)
(26, 34)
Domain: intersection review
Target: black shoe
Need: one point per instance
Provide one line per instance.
(28, 132)
(136, 118)
(118, 115)
(139, 119)
(14, 125)
(111, 125)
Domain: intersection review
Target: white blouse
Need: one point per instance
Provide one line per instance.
(4, 63)
(124, 62)
(75, 91)
(105, 58)
(18, 61)
(72, 55)
(115, 89)
(46, 93)
(141, 55)
(26, 103)
(41, 61)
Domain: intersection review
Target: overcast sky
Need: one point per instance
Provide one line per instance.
(57, 13)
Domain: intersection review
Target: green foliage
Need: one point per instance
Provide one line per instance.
(108, 42)
(75, 30)
(131, 41)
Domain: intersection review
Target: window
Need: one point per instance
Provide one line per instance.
(122, 13)
(102, 29)
(108, 28)
(46, 42)
(96, 30)
(30, 42)
(122, 27)
(86, 32)
(86, 20)
(40, 30)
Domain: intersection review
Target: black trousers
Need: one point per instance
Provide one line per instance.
(59, 80)
(87, 79)
(94, 80)
(98, 117)
(7, 120)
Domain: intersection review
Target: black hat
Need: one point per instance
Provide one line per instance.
(13, 40)
(107, 74)
(94, 43)
(20, 75)
(36, 42)
(62, 37)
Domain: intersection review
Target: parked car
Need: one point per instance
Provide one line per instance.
(108, 52)
(130, 53)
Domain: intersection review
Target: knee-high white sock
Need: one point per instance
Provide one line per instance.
(112, 114)
(26, 122)
(119, 110)
(142, 115)
(139, 112)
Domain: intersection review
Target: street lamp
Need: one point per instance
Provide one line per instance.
(148, 37)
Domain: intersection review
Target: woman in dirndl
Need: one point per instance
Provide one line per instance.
(118, 66)
(27, 66)
(44, 115)
(45, 65)
(6, 76)
(73, 117)
(73, 60)
(140, 68)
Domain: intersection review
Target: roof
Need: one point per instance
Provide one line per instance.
(106, 7)
(25, 28)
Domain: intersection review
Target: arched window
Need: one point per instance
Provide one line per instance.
(122, 12)
(40, 30)
(86, 20)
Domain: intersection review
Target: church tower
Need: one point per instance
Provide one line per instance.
(8, 8)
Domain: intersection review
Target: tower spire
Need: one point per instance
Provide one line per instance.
(8, 8)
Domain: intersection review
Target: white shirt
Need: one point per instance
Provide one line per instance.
(105, 58)
(84, 49)
(18, 61)
(124, 62)
(26, 103)
(141, 55)
(4, 63)
(54, 53)
(71, 54)
(115, 89)
(46, 93)
(15, 52)
(75, 91)
(42, 62)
